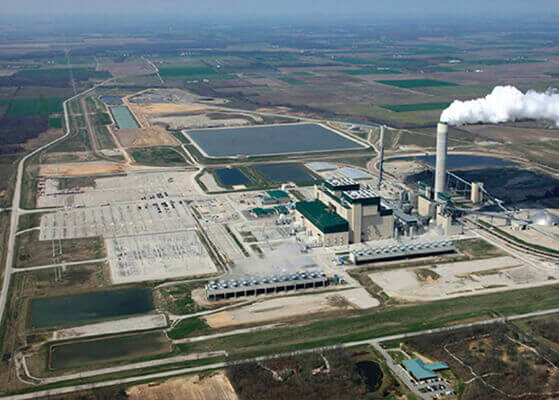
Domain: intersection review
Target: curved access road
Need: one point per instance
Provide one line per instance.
(8, 270)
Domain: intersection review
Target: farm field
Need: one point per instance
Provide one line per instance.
(416, 83)
(416, 107)
(33, 107)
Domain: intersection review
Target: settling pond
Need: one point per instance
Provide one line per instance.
(285, 172)
(76, 354)
(269, 140)
(66, 310)
(231, 177)
(371, 373)
(124, 118)
(111, 99)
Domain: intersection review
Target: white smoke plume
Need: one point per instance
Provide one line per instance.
(504, 104)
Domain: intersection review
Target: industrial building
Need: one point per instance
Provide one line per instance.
(422, 371)
(342, 213)
(396, 250)
(275, 197)
(274, 284)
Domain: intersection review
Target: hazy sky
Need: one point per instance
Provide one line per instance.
(292, 8)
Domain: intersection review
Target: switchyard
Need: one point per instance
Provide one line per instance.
(148, 216)
(157, 257)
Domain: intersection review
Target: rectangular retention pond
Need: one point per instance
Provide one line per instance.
(231, 177)
(124, 118)
(76, 354)
(65, 310)
(285, 172)
(270, 140)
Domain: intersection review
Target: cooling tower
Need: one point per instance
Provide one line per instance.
(440, 172)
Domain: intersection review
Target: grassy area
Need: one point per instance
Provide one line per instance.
(161, 156)
(55, 123)
(34, 106)
(190, 72)
(30, 251)
(416, 83)
(186, 327)
(478, 248)
(58, 76)
(406, 318)
(505, 61)
(371, 71)
(104, 137)
(183, 139)
(177, 299)
(417, 107)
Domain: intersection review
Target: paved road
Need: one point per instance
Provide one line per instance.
(229, 333)
(183, 371)
(17, 200)
(139, 365)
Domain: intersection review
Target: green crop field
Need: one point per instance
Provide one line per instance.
(506, 61)
(292, 81)
(371, 71)
(34, 107)
(55, 123)
(416, 83)
(354, 60)
(171, 72)
(158, 156)
(53, 75)
(416, 107)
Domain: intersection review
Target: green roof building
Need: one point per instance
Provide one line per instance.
(278, 194)
(421, 371)
(259, 212)
(317, 213)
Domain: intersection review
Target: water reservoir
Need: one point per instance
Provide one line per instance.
(66, 310)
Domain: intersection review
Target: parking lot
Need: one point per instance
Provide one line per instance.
(149, 216)
(116, 189)
(437, 387)
(157, 257)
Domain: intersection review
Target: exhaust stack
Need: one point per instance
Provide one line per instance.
(381, 162)
(440, 171)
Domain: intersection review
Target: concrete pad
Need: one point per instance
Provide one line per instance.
(463, 279)
(292, 306)
(144, 322)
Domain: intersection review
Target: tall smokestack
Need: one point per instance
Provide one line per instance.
(381, 162)
(440, 172)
